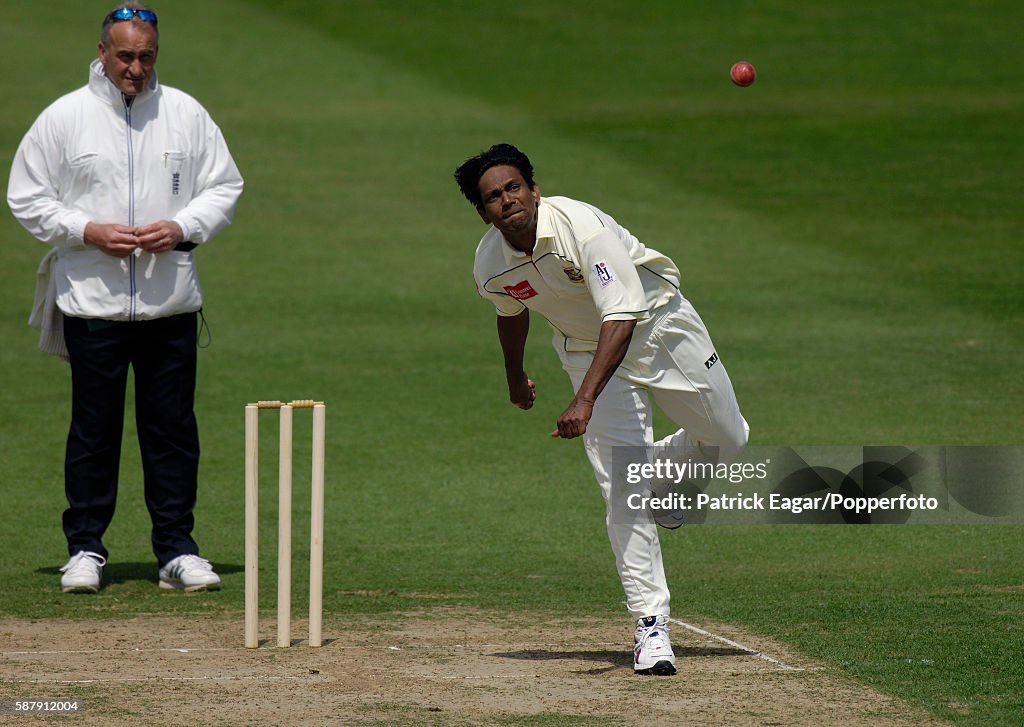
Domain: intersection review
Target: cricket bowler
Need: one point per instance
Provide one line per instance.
(625, 336)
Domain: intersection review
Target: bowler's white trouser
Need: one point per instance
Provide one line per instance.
(668, 358)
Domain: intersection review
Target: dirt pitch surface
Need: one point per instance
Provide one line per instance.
(436, 668)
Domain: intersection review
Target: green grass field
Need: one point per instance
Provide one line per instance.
(847, 227)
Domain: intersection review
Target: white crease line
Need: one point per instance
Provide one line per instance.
(253, 678)
(741, 647)
(181, 650)
(488, 676)
(301, 648)
(162, 679)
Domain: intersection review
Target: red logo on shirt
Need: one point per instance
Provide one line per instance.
(521, 291)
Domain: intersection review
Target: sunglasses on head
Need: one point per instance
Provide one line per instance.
(128, 13)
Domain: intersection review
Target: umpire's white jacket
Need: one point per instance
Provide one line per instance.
(92, 157)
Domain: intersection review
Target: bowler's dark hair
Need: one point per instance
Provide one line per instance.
(109, 20)
(469, 172)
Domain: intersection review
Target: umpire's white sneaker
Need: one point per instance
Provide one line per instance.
(189, 573)
(652, 651)
(82, 573)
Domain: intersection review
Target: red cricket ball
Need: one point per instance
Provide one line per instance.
(742, 73)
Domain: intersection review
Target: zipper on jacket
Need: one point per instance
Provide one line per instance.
(131, 201)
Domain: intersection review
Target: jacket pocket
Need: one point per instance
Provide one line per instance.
(166, 284)
(178, 174)
(87, 158)
(92, 284)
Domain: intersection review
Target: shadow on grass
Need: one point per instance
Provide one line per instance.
(118, 572)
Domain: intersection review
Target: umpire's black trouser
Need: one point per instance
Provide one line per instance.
(162, 355)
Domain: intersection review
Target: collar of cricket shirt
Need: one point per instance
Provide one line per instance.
(103, 87)
(545, 231)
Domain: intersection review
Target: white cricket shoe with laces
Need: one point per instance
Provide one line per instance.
(189, 573)
(82, 573)
(652, 651)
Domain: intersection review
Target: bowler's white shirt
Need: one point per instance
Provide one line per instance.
(585, 269)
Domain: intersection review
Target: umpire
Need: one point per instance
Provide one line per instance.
(122, 178)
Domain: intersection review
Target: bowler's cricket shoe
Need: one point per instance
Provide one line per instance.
(668, 519)
(189, 573)
(82, 573)
(666, 492)
(652, 651)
